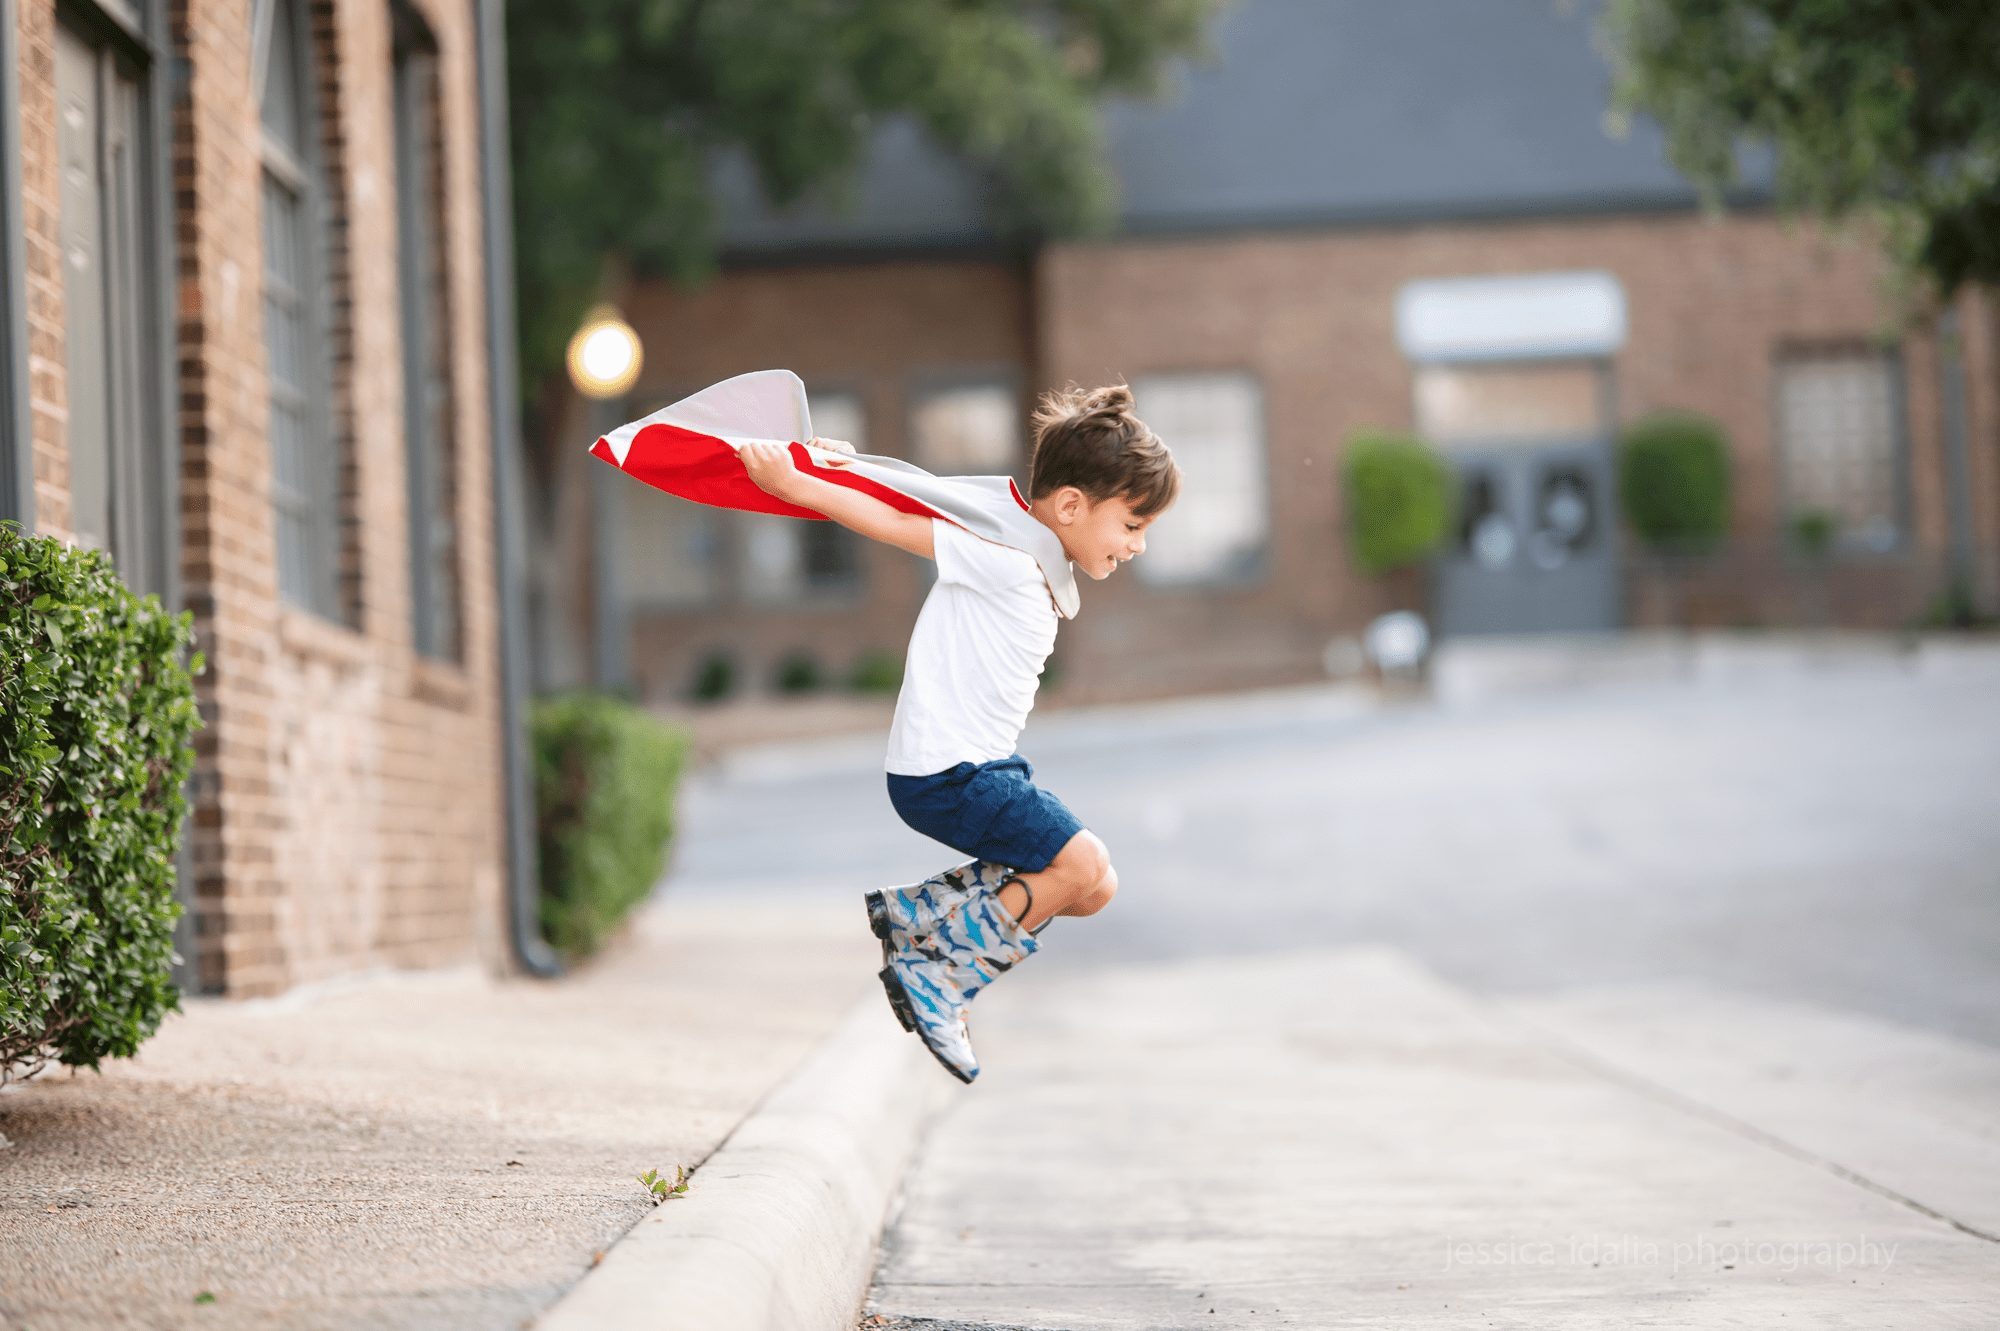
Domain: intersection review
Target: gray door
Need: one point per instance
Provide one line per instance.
(1533, 546)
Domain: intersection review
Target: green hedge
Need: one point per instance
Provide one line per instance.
(876, 671)
(97, 712)
(1674, 481)
(605, 778)
(1398, 493)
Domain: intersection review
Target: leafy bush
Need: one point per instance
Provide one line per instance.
(798, 672)
(1674, 481)
(715, 678)
(1953, 606)
(1398, 493)
(1813, 530)
(97, 712)
(876, 672)
(605, 777)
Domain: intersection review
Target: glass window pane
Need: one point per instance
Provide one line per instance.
(669, 548)
(1838, 440)
(785, 559)
(427, 417)
(1220, 526)
(975, 430)
(1490, 403)
(281, 110)
(87, 358)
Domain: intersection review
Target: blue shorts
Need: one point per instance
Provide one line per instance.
(991, 811)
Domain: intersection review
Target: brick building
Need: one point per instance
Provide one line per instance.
(247, 262)
(1341, 223)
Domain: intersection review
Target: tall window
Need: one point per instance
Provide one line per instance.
(1219, 528)
(297, 344)
(792, 559)
(1840, 441)
(427, 403)
(670, 549)
(105, 286)
(967, 430)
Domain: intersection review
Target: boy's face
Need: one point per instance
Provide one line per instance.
(1100, 536)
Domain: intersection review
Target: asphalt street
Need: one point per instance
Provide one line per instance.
(1828, 836)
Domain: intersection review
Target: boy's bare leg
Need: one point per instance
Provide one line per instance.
(1078, 881)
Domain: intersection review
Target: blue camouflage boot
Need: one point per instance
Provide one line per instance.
(931, 983)
(900, 916)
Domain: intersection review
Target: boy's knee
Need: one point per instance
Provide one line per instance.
(1100, 895)
(1083, 860)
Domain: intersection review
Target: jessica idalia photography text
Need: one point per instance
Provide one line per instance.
(1703, 1251)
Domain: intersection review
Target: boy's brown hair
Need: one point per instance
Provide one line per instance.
(1089, 438)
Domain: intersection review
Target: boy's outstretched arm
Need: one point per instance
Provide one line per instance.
(770, 466)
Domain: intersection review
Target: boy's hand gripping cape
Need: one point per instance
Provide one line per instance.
(689, 449)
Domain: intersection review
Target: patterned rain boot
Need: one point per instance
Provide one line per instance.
(900, 916)
(931, 983)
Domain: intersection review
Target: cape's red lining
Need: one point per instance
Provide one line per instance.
(707, 470)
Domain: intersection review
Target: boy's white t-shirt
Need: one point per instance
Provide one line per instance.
(976, 655)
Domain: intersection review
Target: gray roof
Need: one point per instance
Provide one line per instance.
(1310, 112)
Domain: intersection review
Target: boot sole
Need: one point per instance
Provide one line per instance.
(878, 924)
(899, 999)
(899, 1002)
(878, 918)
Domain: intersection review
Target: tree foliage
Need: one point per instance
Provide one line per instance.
(618, 105)
(1886, 110)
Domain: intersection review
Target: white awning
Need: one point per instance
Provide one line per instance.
(1511, 317)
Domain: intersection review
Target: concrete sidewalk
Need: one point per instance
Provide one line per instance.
(421, 1150)
(1341, 1139)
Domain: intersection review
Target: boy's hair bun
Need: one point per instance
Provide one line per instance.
(1091, 439)
(1075, 405)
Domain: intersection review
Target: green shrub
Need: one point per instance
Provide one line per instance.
(97, 712)
(1953, 606)
(605, 778)
(1813, 530)
(798, 672)
(1674, 481)
(715, 678)
(1398, 493)
(876, 672)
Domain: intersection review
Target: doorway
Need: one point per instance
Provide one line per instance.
(1532, 548)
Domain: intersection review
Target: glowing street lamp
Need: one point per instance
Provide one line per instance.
(604, 361)
(604, 355)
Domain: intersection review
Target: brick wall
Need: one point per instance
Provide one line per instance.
(348, 792)
(1311, 314)
(877, 330)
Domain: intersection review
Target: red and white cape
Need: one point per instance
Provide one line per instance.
(689, 449)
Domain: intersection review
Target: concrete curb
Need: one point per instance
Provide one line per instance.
(777, 1229)
(1467, 670)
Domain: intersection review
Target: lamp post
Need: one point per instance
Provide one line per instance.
(604, 361)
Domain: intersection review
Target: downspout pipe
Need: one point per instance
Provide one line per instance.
(509, 525)
(17, 473)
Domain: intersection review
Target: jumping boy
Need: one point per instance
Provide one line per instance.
(1097, 479)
